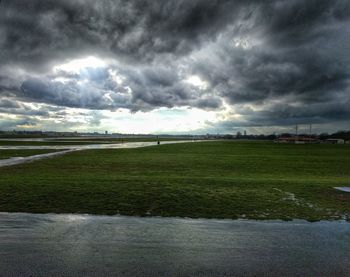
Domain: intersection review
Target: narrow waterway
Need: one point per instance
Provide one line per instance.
(85, 245)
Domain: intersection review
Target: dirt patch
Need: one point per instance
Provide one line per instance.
(343, 196)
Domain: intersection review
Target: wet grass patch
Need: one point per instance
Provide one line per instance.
(9, 153)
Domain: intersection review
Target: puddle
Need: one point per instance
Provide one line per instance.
(344, 189)
(20, 160)
(81, 245)
(92, 146)
(71, 148)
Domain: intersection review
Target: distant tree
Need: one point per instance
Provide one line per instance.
(286, 135)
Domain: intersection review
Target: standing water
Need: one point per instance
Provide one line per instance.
(85, 245)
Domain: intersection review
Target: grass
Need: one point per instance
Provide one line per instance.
(6, 154)
(257, 180)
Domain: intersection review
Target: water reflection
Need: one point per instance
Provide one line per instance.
(101, 245)
(344, 189)
(20, 160)
(90, 146)
(71, 148)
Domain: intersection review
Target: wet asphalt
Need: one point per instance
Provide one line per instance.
(85, 245)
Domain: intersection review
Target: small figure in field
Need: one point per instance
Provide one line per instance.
(158, 142)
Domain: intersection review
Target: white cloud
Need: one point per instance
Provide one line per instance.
(197, 82)
(76, 66)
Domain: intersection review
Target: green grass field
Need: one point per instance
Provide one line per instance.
(227, 179)
(7, 153)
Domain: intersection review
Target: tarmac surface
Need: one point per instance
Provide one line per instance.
(85, 245)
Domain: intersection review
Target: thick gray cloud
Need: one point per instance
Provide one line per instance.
(6, 124)
(287, 58)
(132, 29)
(144, 90)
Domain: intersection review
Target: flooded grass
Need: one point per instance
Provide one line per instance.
(79, 141)
(46, 143)
(257, 180)
(9, 153)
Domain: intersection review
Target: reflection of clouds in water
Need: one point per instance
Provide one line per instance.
(75, 218)
(344, 189)
(120, 245)
(71, 148)
(20, 160)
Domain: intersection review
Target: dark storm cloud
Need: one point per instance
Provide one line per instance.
(162, 87)
(69, 94)
(150, 87)
(7, 103)
(302, 58)
(6, 124)
(252, 76)
(314, 113)
(132, 29)
(293, 53)
(12, 106)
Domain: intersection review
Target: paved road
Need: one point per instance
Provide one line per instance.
(81, 245)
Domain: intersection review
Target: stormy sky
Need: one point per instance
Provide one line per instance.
(175, 66)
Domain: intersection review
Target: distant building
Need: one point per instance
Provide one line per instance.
(297, 140)
(334, 141)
